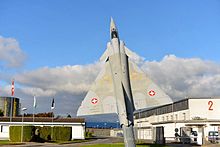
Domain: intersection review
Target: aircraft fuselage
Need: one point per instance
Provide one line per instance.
(118, 61)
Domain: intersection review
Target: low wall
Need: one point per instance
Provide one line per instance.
(99, 132)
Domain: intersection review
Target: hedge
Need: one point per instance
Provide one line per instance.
(88, 134)
(45, 133)
(62, 133)
(15, 133)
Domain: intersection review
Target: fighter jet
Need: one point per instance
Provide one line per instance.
(121, 87)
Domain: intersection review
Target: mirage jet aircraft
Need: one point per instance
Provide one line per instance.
(121, 87)
(101, 97)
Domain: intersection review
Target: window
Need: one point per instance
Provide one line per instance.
(182, 105)
(213, 133)
(114, 34)
(171, 117)
(184, 116)
(176, 115)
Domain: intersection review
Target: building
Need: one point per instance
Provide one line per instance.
(10, 105)
(190, 117)
(77, 124)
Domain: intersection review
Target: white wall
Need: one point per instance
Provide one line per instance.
(78, 132)
(173, 116)
(77, 129)
(146, 133)
(204, 108)
(116, 132)
(4, 132)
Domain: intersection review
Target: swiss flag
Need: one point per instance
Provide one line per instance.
(12, 88)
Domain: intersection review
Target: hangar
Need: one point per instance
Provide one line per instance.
(189, 118)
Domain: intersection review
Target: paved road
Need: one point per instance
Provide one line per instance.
(97, 141)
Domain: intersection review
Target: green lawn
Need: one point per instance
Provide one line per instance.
(73, 141)
(7, 142)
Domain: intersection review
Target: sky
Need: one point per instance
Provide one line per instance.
(52, 47)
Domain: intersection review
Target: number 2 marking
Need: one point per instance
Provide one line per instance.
(210, 103)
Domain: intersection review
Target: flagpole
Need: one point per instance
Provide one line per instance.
(33, 114)
(52, 107)
(34, 106)
(52, 126)
(12, 98)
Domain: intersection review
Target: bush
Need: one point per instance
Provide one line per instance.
(59, 133)
(88, 134)
(15, 133)
(62, 133)
(45, 133)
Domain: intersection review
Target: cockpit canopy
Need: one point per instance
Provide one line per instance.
(114, 34)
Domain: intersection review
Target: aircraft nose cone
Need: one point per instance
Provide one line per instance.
(112, 25)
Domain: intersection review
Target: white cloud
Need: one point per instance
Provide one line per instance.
(72, 79)
(178, 77)
(11, 54)
(67, 84)
(185, 77)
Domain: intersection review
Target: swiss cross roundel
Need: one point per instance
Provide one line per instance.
(151, 93)
(94, 100)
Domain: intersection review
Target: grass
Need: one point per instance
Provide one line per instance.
(74, 141)
(7, 142)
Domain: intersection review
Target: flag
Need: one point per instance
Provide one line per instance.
(53, 104)
(35, 102)
(12, 88)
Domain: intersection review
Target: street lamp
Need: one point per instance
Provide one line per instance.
(22, 119)
(117, 124)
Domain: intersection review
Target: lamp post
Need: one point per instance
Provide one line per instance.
(22, 119)
(117, 124)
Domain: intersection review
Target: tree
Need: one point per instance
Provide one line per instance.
(45, 114)
(1, 112)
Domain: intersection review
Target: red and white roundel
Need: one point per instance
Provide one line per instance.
(94, 100)
(151, 93)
